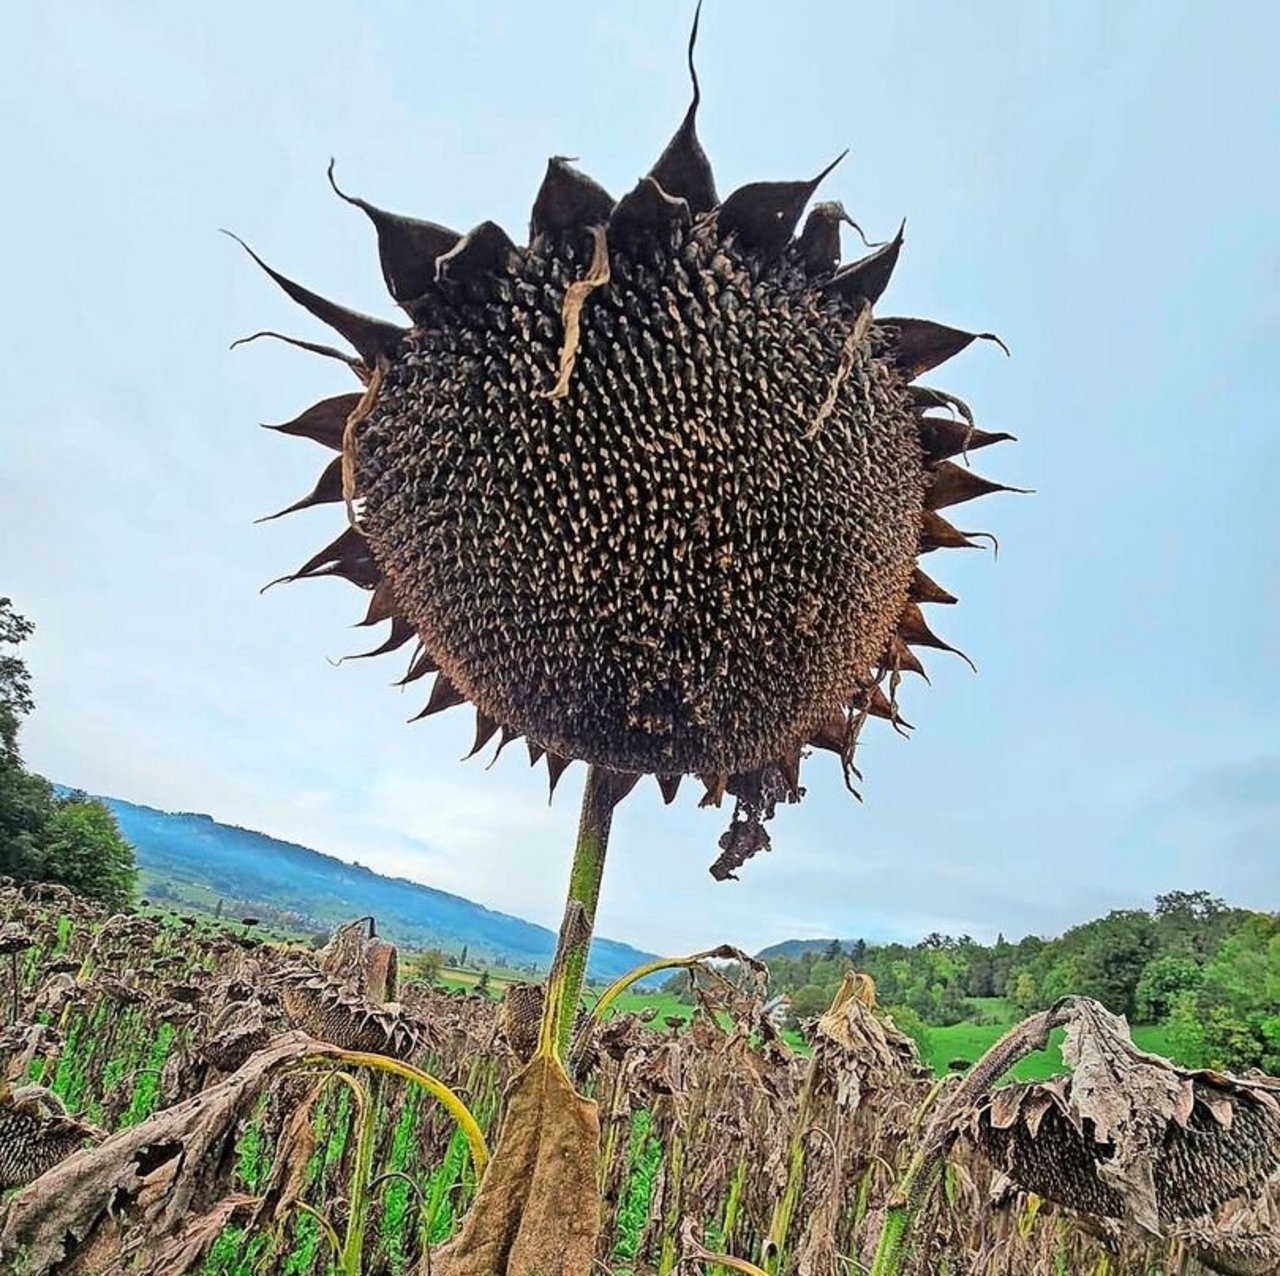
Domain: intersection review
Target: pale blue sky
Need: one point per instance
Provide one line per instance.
(1097, 182)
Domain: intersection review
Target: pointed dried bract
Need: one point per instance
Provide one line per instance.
(357, 366)
(866, 280)
(327, 491)
(477, 256)
(408, 248)
(942, 437)
(486, 729)
(422, 664)
(556, 767)
(644, 210)
(818, 245)
(382, 605)
(444, 695)
(401, 633)
(568, 200)
(669, 785)
(917, 345)
(683, 169)
(952, 484)
(324, 422)
(347, 556)
(763, 215)
(373, 338)
(937, 533)
(914, 630)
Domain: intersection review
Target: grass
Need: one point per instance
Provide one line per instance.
(966, 1041)
(455, 977)
(969, 1041)
(665, 1003)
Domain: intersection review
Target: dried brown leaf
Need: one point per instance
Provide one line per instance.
(537, 1212)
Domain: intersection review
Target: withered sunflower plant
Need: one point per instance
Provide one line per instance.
(650, 491)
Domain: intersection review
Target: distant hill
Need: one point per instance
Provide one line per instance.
(796, 947)
(189, 860)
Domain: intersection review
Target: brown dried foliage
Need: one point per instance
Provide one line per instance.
(720, 1099)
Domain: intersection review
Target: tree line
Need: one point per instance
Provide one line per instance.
(73, 840)
(1208, 973)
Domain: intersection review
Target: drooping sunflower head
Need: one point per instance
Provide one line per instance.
(649, 490)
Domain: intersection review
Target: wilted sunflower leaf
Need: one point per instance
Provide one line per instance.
(537, 1211)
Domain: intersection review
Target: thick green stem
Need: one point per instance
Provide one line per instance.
(564, 984)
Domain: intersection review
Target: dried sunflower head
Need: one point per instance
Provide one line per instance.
(36, 1133)
(1129, 1134)
(649, 490)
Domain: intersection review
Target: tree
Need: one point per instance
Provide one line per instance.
(1192, 923)
(15, 681)
(980, 978)
(1239, 1000)
(806, 1002)
(906, 1020)
(26, 806)
(26, 801)
(75, 840)
(1024, 991)
(1112, 954)
(83, 848)
(1163, 980)
(427, 966)
(482, 984)
(833, 951)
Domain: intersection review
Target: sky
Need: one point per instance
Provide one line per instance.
(1096, 182)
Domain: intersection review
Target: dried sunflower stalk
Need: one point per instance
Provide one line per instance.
(649, 490)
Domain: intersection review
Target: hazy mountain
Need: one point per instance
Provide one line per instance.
(189, 860)
(795, 947)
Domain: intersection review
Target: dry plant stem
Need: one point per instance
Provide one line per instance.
(780, 1225)
(325, 1226)
(564, 986)
(695, 1252)
(623, 982)
(435, 1087)
(916, 1186)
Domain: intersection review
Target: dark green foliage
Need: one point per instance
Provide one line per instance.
(15, 682)
(1206, 974)
(1109, 957)
(82, 848)
(72, 840)
(808, 1001)
(1163, 981)
(26, 806)
(1232, 1019)
(644, 1157)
